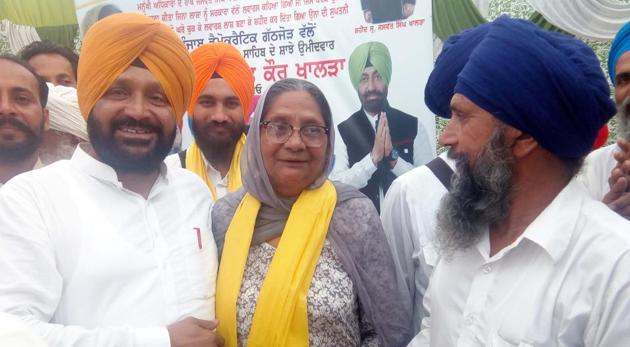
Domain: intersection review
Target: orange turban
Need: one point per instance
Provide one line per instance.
(113, 43)
(228, 63)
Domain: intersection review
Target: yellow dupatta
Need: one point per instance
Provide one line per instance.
(280, 318)
(196, 164)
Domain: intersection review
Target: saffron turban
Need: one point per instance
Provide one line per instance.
(438, 91)
(620, 45)
(548, 85)
(227, 62)
(370, 54)
(113, 43)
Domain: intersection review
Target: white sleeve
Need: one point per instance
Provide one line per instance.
(31, 284)
(358, 175)
(403, 237)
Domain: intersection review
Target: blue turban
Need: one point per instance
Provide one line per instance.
(438, 91)
(620, 45)
(545, 84)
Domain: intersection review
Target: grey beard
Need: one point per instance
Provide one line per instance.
(479, 196)
(624, 119)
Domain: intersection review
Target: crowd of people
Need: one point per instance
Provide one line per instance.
(516, 236)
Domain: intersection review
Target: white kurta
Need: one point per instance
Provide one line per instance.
(596, 170)
(86, 262)
(564, 282)
(220, 183)
(408, 215)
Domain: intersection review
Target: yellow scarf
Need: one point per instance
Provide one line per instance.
(196, 164)
(280, 318)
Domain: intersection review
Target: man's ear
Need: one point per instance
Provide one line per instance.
(46, 116)
(522, 144)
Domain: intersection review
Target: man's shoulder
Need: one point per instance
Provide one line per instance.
(348, 122)
(605, 233)
(396, 113)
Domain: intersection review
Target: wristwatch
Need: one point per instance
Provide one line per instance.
(393, 155)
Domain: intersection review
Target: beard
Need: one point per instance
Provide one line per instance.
(480, 196)
(623, 117)
(114, 153)
(374, 105)
(214, 146)
(13, 152)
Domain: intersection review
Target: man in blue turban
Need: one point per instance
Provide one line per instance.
(382, 142)
(527, 257)
(607, 170)
(409, 209)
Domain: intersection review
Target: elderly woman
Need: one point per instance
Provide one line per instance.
(304, 261)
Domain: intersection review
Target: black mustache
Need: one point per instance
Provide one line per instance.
(15, 123)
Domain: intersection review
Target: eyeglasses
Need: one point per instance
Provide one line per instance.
(312, 135)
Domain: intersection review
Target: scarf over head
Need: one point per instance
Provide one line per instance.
(226, 61)
(113, 43)
(438, 91)
(359, 243)
(546, 84)
(64, 114)
(620, 45)
(370, 53)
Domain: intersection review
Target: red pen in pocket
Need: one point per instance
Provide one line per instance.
(198, 237)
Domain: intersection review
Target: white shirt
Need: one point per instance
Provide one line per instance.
(563, 282)
(596, 170)
(408, 215)
(220, 183)
(15, 333)
(86, 262)
(360, 173)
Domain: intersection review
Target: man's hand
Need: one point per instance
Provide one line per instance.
(367, 14)
(408, 10)
(193, 332)
(378, 151)
(622, 169)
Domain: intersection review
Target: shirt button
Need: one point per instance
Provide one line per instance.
(470, 318)
(487, 269)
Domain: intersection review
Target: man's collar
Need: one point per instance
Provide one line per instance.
(84, 158)
(551, 230)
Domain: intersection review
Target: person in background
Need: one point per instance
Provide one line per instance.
(54, 63)
(23, 117)
(224, 87)
(412, 201)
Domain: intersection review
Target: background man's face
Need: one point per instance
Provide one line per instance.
(54, 68)
(22, 117)
(132, 126)
(622, 93)
(217, 116)
(372, 90)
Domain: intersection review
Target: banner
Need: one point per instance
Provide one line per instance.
(310, 39)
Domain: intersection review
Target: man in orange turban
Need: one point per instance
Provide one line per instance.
(224, 88)
(111, 248)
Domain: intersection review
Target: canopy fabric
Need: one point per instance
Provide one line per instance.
(594, 19)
